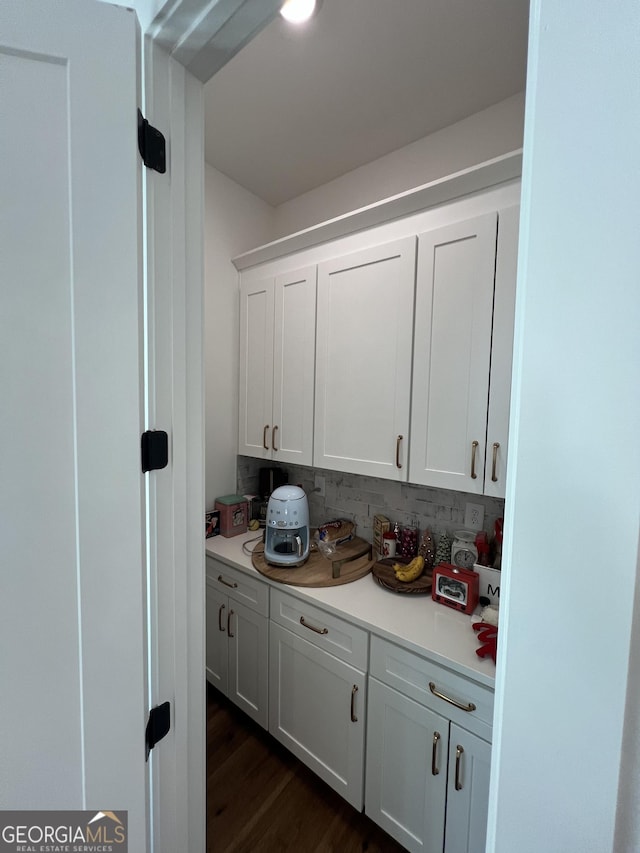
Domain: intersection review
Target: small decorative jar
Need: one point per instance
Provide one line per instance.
(389, 544)
(409, 542)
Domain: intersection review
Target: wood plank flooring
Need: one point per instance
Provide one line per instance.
(260, 799)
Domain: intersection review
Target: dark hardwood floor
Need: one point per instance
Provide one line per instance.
(260, 799)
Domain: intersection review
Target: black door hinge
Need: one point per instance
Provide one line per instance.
(154, 450)
(151, 145)
(158, 725)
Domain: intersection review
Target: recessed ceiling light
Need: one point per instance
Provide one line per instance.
(297, 11)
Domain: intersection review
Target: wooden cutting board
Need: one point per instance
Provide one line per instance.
(351, 561)
(384, 574)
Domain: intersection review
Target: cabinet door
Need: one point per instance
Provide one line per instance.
(256, 368)
(317, 710)
(248, 644)
(452, 353)
(406, 764)
(502, 352)
(467, 792)
(363, 360)
(294, 367)
(217, 645)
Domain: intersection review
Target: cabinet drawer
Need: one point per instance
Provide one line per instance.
(328, 632)
(412, 675)
(241, 587)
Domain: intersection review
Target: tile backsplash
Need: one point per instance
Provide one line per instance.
(359, 498)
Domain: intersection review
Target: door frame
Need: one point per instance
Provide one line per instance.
(176, 56)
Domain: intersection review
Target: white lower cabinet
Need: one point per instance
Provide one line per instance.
(317, 701)
(427, 778)
(406, 785)
(467, 792)
(237, 651)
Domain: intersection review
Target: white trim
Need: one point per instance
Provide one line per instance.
(474, 179)
(174, 206)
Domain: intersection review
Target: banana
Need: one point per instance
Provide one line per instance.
(410, 572)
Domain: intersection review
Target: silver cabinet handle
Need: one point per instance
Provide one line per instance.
(469, 707)
(273, 438)
(220, 625)
(434, 754)
(313, 627)
(474, 449)
(264, 437)
(494, 464)
(459, 753)
(354, 690)
(229, 624)
(232, 584)
(398, 443)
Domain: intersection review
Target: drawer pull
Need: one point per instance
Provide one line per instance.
(273, 438)
(220, 625)
(469, 707)
(434, 754)
(459, 752)
(229, 624)
(232, 584)
(264, 437)
(313, 627)
(354, 690)
(494, 464)
(474, 450)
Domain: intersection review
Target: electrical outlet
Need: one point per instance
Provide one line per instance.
(319, 485)
(473, 516)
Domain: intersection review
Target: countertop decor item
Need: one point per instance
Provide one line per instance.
(351, 561)
(386, 577)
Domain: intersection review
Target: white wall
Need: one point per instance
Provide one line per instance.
(235, 221)
(573, 491)
(480, 137)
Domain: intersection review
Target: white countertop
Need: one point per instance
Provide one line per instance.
(416, 621)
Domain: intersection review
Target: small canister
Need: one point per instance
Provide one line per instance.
(389, 544)
(408, 544)
(234, 514)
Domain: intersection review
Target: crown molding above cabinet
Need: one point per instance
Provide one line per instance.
(484, 176)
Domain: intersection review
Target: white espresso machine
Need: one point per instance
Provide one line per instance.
(287, 527)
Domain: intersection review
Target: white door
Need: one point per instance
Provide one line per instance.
(317, 710)
(406, 767)
(73, 699)
(504, 307)
(452, 353)
(363, 360)
(294, 349)
(256, 369)
(217, 652)
(467, 792)
(248, 647)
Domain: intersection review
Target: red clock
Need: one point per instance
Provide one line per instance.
(456, 587)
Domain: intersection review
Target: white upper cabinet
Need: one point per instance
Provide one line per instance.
(462, 354)
(454, 307)
(277, 352)
(402, 367)
(502, 352)
(363, 360)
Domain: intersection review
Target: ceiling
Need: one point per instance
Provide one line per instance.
(300, 106)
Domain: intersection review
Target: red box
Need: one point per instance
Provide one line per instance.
(234, 514)
(455, 587)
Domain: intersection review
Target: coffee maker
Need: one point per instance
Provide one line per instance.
(287, 527)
